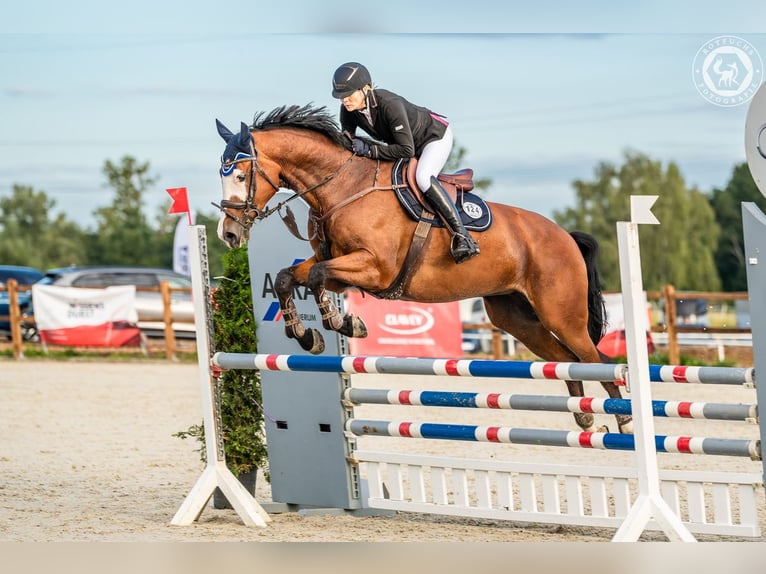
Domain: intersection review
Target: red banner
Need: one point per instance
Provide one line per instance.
(405, 328)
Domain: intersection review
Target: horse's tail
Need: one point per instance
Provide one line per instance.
(596, 308)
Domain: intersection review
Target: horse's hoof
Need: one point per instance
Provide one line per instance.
(627, 428)
(594, 428)
(312, 341)
(360, 329)
(353, 326)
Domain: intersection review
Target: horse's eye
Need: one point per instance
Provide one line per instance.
(241, 177)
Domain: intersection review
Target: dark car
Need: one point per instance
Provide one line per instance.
(148, 303)
(25, 276)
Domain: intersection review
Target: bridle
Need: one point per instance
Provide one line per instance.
(250, 211)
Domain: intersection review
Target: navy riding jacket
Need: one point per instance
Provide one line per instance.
(403, 126)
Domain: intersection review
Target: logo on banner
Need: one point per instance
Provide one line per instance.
(414, 322)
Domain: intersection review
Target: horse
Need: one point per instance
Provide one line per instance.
(539, 282)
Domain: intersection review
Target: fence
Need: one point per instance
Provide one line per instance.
(670, 299)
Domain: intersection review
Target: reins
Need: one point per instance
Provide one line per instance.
(358, 195)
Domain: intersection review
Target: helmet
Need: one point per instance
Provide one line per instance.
(349, 78)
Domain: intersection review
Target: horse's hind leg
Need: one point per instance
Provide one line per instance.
(514, 314)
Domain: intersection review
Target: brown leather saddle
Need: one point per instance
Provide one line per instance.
(472, 209)
(453, 183)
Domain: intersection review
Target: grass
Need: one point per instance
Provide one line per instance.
(36, 351)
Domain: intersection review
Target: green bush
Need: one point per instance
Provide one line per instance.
(240, 390)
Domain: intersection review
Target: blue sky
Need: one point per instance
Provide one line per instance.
(538, 96)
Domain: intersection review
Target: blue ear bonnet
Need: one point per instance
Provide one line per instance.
(238, 147)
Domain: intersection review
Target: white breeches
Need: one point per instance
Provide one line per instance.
(432, 160)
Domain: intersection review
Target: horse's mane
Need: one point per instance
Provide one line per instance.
(308, 117)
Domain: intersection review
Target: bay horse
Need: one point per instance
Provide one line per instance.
(539, 282)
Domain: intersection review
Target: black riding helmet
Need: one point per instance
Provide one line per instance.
(348, 78)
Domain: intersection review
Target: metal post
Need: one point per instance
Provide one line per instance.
(754, 230)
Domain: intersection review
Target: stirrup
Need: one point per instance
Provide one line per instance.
(463, 248)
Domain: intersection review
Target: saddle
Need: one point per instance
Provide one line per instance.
(473, 210)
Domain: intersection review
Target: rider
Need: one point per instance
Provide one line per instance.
(409, 131)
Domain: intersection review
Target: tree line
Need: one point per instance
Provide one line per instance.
(698, 246)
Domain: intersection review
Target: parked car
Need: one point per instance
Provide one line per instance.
(24, 276)
(148, 303)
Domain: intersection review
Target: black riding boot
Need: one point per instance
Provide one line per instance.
(462, 246)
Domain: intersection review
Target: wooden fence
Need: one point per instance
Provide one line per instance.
(18, 320)
(669, 296)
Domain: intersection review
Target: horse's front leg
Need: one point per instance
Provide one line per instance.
(285, 282)
(348, 325)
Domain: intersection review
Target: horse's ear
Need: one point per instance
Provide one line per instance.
(223, 131)
(244, 134)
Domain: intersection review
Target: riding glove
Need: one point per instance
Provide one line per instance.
(360, 147)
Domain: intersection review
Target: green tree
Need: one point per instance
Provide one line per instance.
(30, 236)
(123, 235)
(679, 251)
(727, 205)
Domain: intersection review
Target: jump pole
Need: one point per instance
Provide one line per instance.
(216, 474)
(649, 504)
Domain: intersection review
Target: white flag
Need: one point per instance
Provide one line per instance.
(181, 246)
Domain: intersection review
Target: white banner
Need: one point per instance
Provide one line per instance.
(181, 246)
(86, 317)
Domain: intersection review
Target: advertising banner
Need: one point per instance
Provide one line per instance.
(86, 317)
(405, 328)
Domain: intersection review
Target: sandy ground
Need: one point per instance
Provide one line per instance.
(87, 454)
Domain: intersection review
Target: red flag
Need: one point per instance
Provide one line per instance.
(180, 201)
